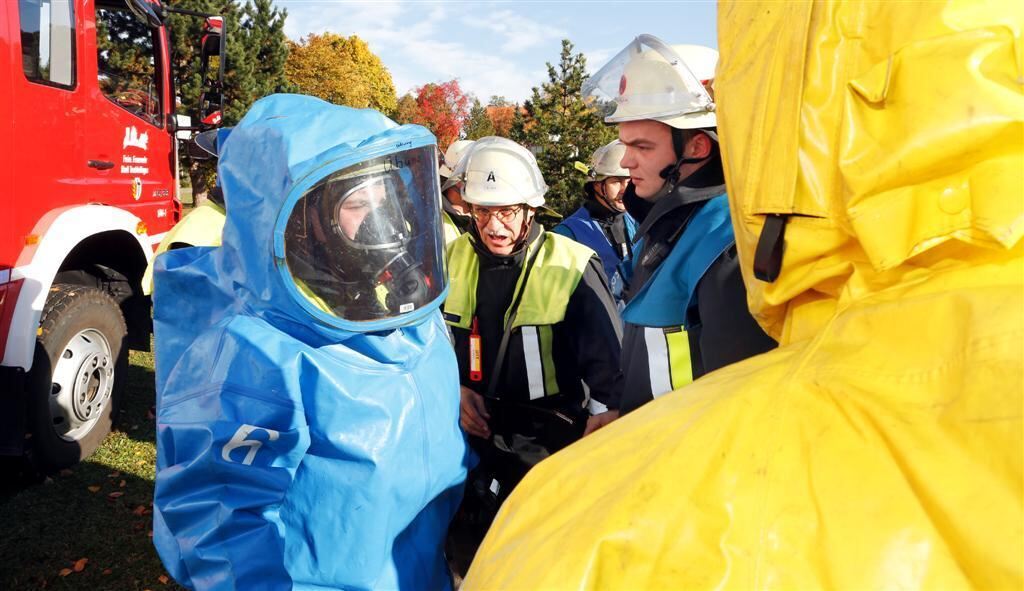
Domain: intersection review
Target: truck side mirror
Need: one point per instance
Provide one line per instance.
(211, 100)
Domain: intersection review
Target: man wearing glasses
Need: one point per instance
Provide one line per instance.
(535, 328)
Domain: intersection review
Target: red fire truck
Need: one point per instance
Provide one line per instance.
(88, 186)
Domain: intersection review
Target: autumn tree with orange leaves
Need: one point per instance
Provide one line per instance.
(442, 108)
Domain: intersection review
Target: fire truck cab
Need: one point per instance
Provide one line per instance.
(88, 186)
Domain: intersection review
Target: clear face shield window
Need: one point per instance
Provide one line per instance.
(649, 79)
(365, 244)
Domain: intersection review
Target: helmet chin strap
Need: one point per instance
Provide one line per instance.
(602, 197)
(671, 172)
(524, 230)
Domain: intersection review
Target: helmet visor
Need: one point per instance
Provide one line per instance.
(647, 80)
(365, 243)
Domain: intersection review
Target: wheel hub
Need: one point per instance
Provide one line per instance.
(83, 381)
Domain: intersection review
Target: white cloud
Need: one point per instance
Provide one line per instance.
(319, 16)
(519, 32)
(416, 42)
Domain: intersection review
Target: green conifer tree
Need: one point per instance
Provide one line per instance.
(560, 127)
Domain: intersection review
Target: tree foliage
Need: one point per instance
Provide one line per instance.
(501, 118)
(341, 70)
(494, 118)
(561, 127)
(256, 51)
(443, 109)
(478, 124)
(256, 57)
(406, 110)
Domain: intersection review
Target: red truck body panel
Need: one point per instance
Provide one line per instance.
(75, 162)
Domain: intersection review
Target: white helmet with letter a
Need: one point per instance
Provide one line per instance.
(650, 79)
(497, 171)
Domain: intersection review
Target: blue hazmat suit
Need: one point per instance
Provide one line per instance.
(298, 448)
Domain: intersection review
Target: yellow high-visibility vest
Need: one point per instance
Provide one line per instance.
(204, 226)
(556, 271)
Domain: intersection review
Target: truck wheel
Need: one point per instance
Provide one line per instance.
(77, 374)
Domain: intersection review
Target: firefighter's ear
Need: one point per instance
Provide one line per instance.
(699, 146)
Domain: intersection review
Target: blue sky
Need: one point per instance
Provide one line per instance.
(496, 47)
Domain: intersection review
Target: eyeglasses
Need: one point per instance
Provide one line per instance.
(504, 214)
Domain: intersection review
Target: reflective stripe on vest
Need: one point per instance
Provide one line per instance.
(668, 359)
(557, 270)
(534, 365)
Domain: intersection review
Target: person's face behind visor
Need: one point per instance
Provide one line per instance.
(364, 243)
(360, 203)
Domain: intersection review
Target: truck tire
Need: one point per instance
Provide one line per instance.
(77, 376)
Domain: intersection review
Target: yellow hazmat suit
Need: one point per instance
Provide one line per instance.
(881, 445)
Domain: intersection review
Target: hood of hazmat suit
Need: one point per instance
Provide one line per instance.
(307, 398)
(880, 446)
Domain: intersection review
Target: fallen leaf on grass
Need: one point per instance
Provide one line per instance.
(163, 579)
(140, 510)
(122, 484)
(115, 494)
(65, 572)
(80, 564)
(94, 489)
(107, 571)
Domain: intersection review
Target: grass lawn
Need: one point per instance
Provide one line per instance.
(91, 527)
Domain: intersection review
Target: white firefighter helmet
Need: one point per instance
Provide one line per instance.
(650, 79)
(605, 161)
(497, 171)
(452, 156)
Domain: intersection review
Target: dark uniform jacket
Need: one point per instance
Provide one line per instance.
(585, 345)
(721, 329)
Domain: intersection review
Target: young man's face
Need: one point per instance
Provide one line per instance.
(500, 228)
(648, 151)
